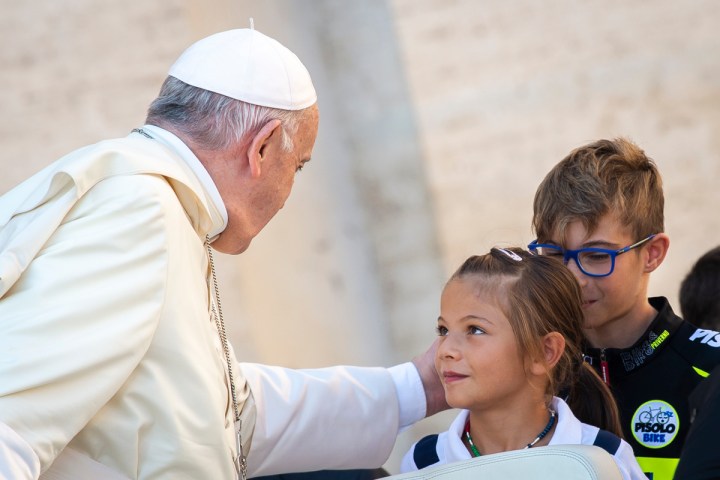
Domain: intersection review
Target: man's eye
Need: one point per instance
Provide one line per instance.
(441, 331)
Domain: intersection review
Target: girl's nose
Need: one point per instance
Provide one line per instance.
(448, 347)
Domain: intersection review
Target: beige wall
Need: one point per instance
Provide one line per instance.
(438, 120)
(504, 90)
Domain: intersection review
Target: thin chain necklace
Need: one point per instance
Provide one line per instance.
(240, 460)
(541, 435)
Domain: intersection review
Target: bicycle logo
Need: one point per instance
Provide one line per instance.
(652, 415)
(655, 424)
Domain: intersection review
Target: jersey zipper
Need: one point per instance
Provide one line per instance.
(604, 367)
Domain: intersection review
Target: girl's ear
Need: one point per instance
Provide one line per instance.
(553, 346)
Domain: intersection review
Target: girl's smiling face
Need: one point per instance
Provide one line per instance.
(478, 358)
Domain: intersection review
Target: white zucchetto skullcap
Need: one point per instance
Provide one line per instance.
(246, 65)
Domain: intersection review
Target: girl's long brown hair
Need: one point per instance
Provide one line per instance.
(540, 295)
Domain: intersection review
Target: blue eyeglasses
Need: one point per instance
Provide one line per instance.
(594, 262)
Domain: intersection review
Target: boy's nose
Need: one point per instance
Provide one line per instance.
(579, 275)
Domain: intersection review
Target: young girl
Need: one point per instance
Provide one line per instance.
(510, 327)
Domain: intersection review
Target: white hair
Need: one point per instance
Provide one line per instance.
(215, 121)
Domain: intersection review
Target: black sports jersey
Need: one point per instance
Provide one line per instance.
(700, 459)
(652, 381)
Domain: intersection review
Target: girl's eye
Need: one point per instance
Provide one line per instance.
(472, 330)
(441, 331)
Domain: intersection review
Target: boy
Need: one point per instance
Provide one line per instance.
(601, 211)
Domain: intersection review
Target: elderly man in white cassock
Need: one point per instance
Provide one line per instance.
(114, 360)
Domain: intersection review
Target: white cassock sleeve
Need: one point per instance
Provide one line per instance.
(330, 418)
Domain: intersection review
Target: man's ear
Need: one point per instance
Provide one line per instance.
(553, 346)
(258, 146)
(656, 250)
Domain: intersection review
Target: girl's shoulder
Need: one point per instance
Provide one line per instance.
(438, 448)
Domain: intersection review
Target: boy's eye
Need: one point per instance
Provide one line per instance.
(551, 252)
(473, 330)
(441, 331)
(595, 257)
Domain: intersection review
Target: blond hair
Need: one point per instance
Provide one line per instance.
(603, 177)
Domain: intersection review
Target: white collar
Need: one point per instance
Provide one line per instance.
(174, 143)
(568, 430)
(456, 449)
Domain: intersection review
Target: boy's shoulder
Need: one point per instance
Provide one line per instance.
(698, 346)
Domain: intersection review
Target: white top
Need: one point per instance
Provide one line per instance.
(569, 431)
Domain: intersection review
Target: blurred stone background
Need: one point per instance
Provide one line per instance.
(439, 118)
